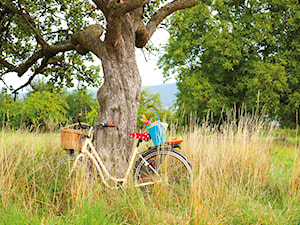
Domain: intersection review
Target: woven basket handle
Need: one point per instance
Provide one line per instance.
(73, 125)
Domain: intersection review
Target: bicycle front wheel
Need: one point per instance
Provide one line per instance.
(163, 169)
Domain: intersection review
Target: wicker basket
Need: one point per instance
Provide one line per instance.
(72, 139)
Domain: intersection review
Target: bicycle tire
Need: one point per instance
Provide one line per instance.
(173, 167)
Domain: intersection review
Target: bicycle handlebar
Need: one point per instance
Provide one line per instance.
(105, 125)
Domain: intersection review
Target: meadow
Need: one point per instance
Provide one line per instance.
(243, 173)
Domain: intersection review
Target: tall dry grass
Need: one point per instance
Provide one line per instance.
(232, 163)
(233, 183)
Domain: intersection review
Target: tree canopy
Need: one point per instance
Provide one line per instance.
(234, 53)
(34, 41)
(44, 38)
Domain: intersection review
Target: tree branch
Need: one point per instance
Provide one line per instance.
(101, 4)
(21, 69)
(2, 80)
(83, 41)
(144, 33)
(88, 40)
(6, 64)
(39, 37)
(46, 50)
(24, 85)
(44, 63)
(121, 7)
(117, 11)
(29, 21)
(49, 52)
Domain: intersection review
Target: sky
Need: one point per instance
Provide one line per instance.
(149, 71)
(147, 65)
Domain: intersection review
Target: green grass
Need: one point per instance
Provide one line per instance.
(242, 175)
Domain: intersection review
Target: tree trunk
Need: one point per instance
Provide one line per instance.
(118, 100)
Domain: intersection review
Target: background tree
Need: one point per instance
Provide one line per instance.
(45, 110)
(31, 111)
(225, 54)
(79, 100)
(150, 103)
(75, 101)
(42, 39)
(12, 111)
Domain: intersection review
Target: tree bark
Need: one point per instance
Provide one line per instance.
(118, 99)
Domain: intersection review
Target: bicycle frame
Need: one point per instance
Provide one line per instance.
(103, 172)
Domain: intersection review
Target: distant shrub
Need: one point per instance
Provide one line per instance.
(45, 109)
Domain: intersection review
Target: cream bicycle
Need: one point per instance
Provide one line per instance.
(162, 164)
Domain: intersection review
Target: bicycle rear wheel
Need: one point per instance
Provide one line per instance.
(163, 169)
